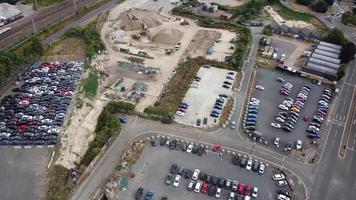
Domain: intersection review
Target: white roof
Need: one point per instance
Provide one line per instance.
(324, 63)
(325, 53)
(326, 44)
(8, 11)
(328, 49)
(321, 68)
(326, 58)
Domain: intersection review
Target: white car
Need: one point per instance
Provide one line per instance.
(255, 100)
(260, 87)
(262, 168)
(198, 186)
(276, 141)
(299, 145)
(255, 192)
(190, 148)
(232, 196)
(233, 125)
(279, 119)
(218, 193)
(249, 164)
(283, 57)
(196, 174)
(179, 113)
(275, 125)
(278, 177)
(281, 183)
(282, 197)
(283, 107)
(176, 181)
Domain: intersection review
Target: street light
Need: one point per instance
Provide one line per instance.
(75, 4)
(36, 4)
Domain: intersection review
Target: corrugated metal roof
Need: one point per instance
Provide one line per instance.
(8, 11)
(325, 53)
(324, 63)
(325, 58)
(326, 44)
(328, 49)
(321, 68)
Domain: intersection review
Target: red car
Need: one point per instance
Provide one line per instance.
(181, 110)
(305, 118)
(284, 93)
(216, 148)
(204, 188)
(241, 189)
(248, 190)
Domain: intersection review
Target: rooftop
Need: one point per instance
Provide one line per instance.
(8, 11)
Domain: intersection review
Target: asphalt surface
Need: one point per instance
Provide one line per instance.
(270, 99)
(23, 173)
(154, 164)
(23, 28)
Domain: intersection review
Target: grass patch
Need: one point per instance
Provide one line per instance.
(57, 190)
(90, 84)
(227, 108)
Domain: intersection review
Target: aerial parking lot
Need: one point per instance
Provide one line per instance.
(200, 102)
(273, 112)
(172, 172)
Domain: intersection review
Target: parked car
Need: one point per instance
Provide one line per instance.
(281, 183)
(278, 177)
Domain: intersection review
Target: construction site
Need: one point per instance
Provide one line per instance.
(143, 49)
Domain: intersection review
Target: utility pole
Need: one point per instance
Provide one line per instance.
(33, 24)
(75, 4)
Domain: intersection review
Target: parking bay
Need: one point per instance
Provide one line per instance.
(270, 99)
(154, 164)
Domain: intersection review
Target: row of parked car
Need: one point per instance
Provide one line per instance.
(209, 184)
(280, 180)
(180, 146)
(218, 106)
(34, 113)
(227, 83)
(251, 114)
(294, 108)
(286, 88)
(313, 129)
(182, 108)
(248, 163)
(148, 196)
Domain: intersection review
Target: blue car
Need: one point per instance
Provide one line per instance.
(4, 142)
(217, 107)
(250, 123)
(214, 115)
(149, 195)
(250, 115)
(216, 111)
(252, 111)
(251, 119)
(184, 103)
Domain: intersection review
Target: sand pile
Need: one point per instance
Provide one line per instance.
(168, 36)
(133, 20)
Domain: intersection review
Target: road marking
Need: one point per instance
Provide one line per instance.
(17, 147)
(27, 147)
(348, 132)
(50, 162)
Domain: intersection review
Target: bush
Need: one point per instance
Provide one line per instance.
(304, 2)
(320, 7)
(267, 30)
(336, 36)
(329, 2)
(348, 18)
(347, 52)
(341, 71)
(58, 176)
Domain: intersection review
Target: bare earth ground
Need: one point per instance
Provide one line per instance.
(227, 2)
(290, 23)
(67, 50)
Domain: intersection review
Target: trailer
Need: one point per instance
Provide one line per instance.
(5, 29)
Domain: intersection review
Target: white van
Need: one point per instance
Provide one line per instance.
(196, 174)
(198, 186)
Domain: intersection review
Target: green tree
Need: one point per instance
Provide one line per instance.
(347, 52)
(348, 18)
(336, 36)
(320, 6)
(329, 2)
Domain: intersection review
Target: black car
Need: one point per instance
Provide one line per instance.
(153, 142)
(214, 180)
(139, 193)
(202, 176)
(198, 122)
(235, 160)
(173, 169)
(187, 173)
(205, 121)
(255, 166)
(221, 182)
(180, 170)
(284, 192)
(208, 178)
(162, 141)
(243, 162)
(211, 190)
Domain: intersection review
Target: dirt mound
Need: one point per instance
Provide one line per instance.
(133, 20)
(168, 36)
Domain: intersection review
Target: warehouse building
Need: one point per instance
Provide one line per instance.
(324, 62)
(9, 13)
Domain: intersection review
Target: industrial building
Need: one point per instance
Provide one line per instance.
(9, 13)
(324, 62)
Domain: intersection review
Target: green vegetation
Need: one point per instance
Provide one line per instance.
(320, 6)
(304, 2)
(12, 2)
(107, 126)
(349, 18)
(91, 37)
(249, 10)
(11, 62)
(91, 83)
(341, 71)
(347, 52)
(267, 31)
(43, 2)
(57, 190)
(336, 36)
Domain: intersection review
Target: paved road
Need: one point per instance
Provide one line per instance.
(23, 28)
(335, 176)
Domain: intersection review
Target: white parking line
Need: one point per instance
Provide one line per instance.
(27, 147)
(50, 146)
(17, 147)
(39, 146)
